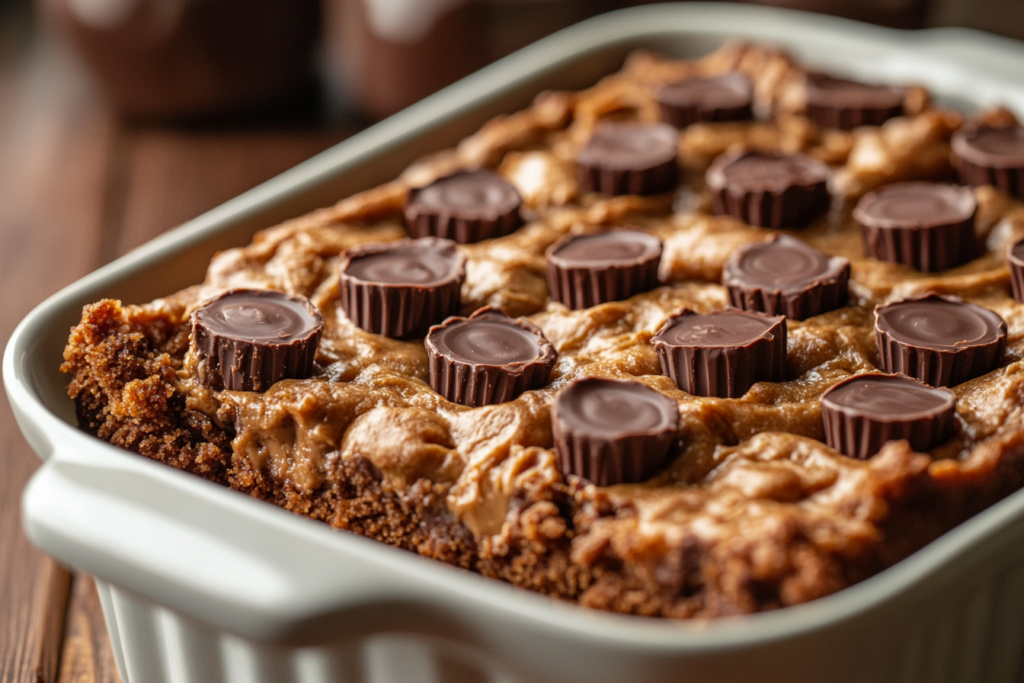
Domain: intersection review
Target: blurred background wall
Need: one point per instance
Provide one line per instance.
(201, 59)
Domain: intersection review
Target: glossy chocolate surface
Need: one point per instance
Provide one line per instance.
(768, 189)
(927, 226)
(786, 276)
(487, 358)
(861, 414)
(722, 353)
(939, 340)
(467, 207)
(590, 269)
(727, 97)
(629, 158)
(404, 263)
(844, 104)
(399, 289)
(612, 431)
(249, 339)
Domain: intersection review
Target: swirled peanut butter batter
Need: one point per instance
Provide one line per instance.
(755, 511)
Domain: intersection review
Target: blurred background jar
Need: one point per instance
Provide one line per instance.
(173, 60)
(391, 53)
(194, 59)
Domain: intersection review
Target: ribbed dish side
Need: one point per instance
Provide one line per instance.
(153, 644)
(977, 640)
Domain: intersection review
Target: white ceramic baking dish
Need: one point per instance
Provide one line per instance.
(203, 584)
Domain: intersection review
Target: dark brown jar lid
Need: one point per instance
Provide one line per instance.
(785, 276)
(487, 358)
(864, 412)
(250, 339)
(594, 268)
(727, 97)
(630, 158)
(769, 189)
(722, 353)
(991, 155)
(1016, 261)
(927, 226)
(845, 104)
(399, 289)
(612, 431)
(466, 207)
(939, 340)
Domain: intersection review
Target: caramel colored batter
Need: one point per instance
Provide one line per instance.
(756, 512)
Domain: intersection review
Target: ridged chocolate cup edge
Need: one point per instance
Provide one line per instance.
(480, 384)
(937, 368)
(723, 372)
(861, 436)
(393, 310)
(630, 458)
(793, 208)
(254, 365)
(1016, 265)
(579, 287)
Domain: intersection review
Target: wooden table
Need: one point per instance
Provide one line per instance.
(78, 189)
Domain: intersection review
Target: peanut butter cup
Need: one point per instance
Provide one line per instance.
(629, 158)
(250, 339)
(487, 358)
(613, 431)
(991, 155)
(466, 207)
(594, 268)
(785, 276)
(1015, 259)
(864, 412)
(769, 189)
(927, 226)
(722, 353)
(399, 289)
(727, 97)
(845, 104)
(939, 340)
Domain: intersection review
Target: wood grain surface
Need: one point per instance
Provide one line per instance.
(76, 190)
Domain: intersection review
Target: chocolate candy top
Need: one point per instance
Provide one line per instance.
(249, 339)
(594, 268)
(726, 97)
(841, 103)
(766, 171)
(611, 431)
(605, 249)
(468, 206)
(629, 158)
(916, 205)
(939, 340)
(991, 155)
(424, 263)
(399, 289)
(722, 353)
(864, 412)
(728, 327)
(1016, 262)
(939, 323)
(260, 315)
(769, 189)
(992, 146)
(786, 276)
(896, 396)
(487, 358)
(927, 226)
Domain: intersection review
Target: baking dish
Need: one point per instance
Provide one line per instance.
(201, 583)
